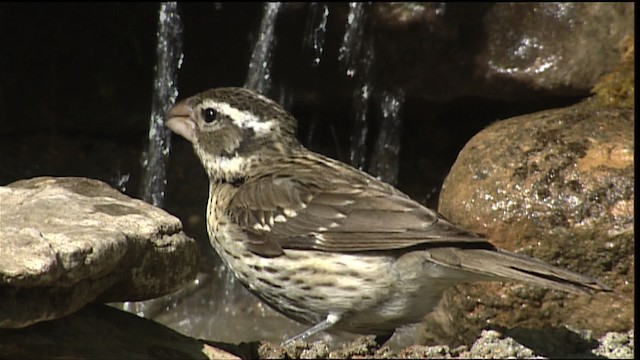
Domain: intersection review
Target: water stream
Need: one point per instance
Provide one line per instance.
(165, 91)
(386, 152)
(259, 71)
(356, 56)
(360, 109)
(349, 51)
(315, 30)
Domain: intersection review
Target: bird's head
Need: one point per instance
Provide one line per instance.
(232, 128)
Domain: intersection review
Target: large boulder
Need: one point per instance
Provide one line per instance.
(557, 185)
(66, 242)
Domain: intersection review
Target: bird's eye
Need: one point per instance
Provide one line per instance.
(209, 115)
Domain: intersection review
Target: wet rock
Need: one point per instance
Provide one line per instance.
(101, 332)
(70, 241)
(551, 45)
(556, 185)
(502, 50)
(617, 89)
(443, 51)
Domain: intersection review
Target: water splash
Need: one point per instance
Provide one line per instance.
(349, 51)
(315, 30)
(259, 73)
(169, 59)
(120, 181)
(386, 152)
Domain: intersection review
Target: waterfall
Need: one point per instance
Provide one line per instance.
(315, 30)
(386, 152)
(349, 51)
(356, 55)
(360, 109)
(169, 58)
(259, 73)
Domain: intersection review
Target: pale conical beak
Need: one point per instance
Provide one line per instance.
(178, 119)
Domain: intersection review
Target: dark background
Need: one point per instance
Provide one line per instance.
(83, 73)
(77, 79)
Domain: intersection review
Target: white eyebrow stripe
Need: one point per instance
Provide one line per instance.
(244, 119)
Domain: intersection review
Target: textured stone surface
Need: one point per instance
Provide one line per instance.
(103, 332)
(617, 88)
(551, 46)
(617, 345)
(66, 242)
(557, 185)
(561, 343)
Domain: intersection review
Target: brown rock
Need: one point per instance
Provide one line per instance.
(66, 242)
(557, 185)
(617, 88)
(500, 51)
(550, 46)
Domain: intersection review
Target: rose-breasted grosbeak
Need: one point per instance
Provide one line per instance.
(322, 242)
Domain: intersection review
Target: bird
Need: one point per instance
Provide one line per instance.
(322, 242)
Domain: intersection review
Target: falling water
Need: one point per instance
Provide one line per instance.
(356, 54)
(316, 30)
(259, 79)
(259, 73)
(360, 108)
(386, 153)
(285, 97)
(349, 51)
(169, 58)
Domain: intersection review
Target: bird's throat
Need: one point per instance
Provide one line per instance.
(228, 169)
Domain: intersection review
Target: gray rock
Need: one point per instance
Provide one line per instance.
(492, 345)
(557, 185)
(66, 242)
(569, 344)
(616, 345)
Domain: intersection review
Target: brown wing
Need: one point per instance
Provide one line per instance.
(323, 205)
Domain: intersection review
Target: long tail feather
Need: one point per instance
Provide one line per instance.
(505, 265)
